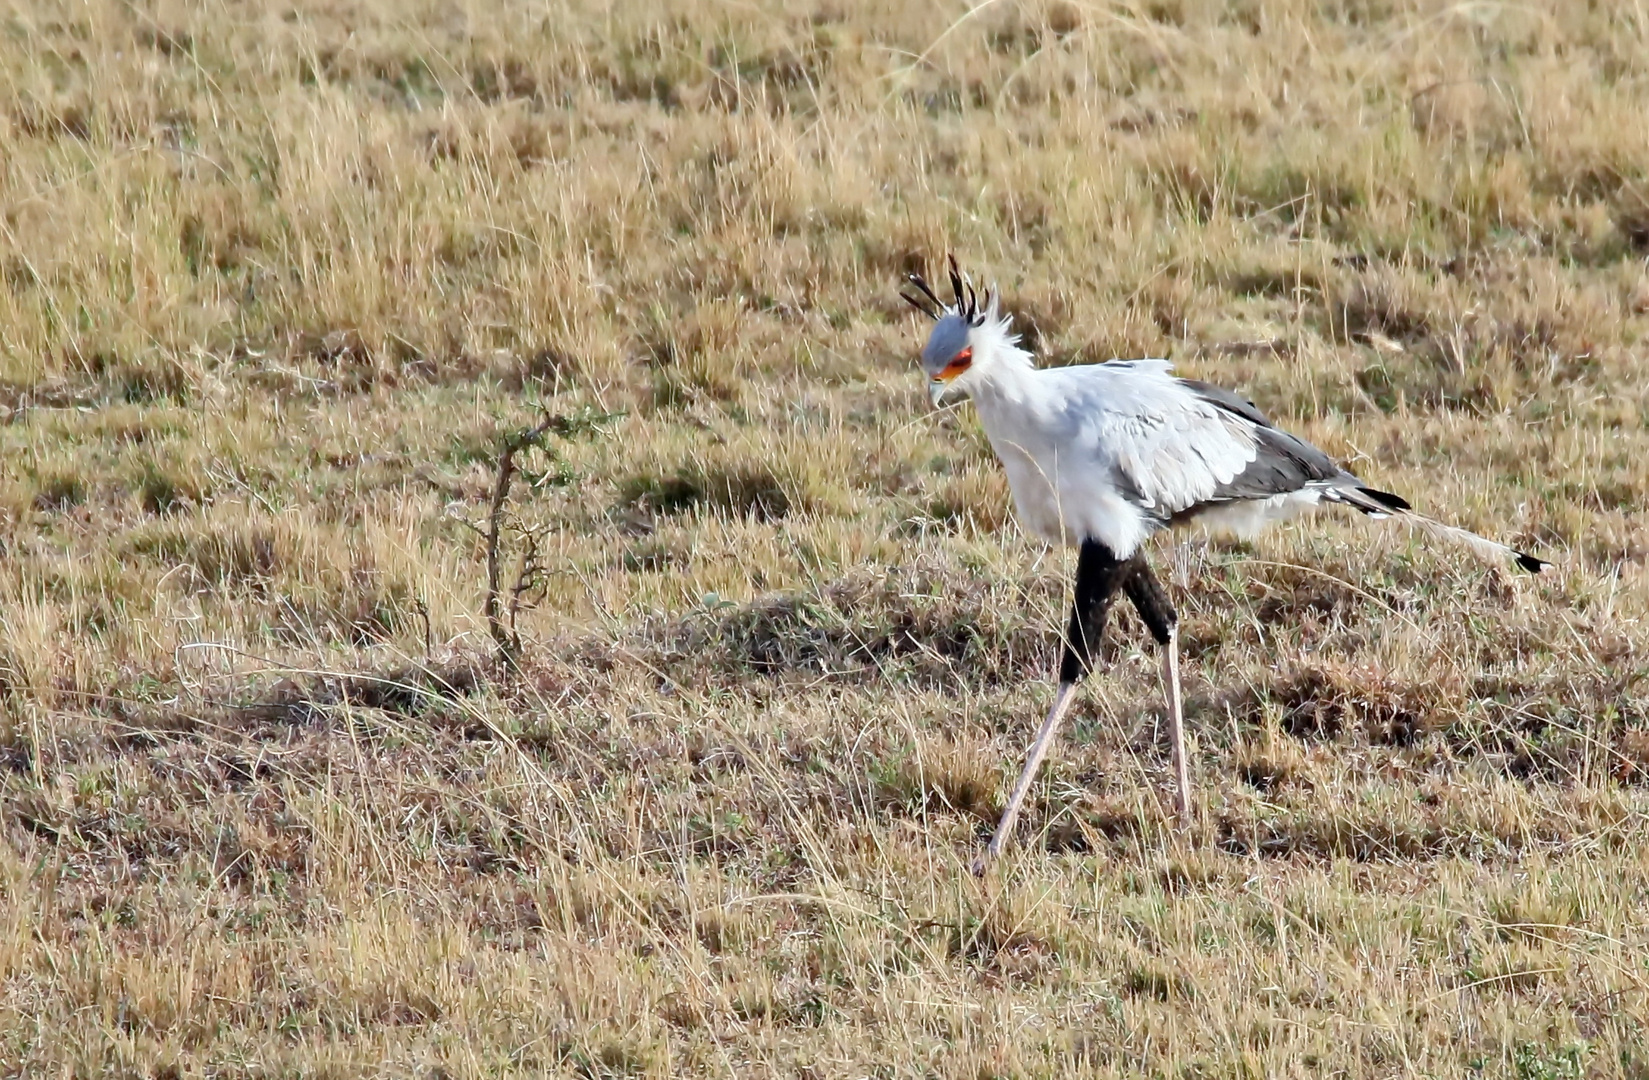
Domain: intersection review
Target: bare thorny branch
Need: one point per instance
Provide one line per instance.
(507, 640)
(531, 574)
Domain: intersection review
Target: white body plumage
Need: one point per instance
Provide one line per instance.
(1114, 452)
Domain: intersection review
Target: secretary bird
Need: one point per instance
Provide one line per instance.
(1102, 456)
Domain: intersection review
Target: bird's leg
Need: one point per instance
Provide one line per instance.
(1176, 725)
(1151, 601)
(1033, 762)
(1098, 574)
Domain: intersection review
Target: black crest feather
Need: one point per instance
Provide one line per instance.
(966, 304)
(928, 304)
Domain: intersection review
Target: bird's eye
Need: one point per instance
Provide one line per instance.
(958, 364)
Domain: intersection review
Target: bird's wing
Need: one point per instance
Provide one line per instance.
(1177, 446)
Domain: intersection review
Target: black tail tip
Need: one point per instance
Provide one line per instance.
(1532, 564)
(1386, 498)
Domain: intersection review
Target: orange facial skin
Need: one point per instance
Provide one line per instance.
(957, 365)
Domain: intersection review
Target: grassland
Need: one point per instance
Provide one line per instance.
(275, 281)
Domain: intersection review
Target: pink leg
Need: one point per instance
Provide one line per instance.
(1039, 750)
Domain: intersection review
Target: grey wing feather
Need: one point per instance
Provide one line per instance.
(1177, 447)
(1282, 463)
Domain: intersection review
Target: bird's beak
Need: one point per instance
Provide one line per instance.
(939, 392)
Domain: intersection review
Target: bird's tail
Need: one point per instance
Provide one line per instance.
(1385, 504)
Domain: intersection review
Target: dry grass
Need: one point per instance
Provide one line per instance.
(274, 280)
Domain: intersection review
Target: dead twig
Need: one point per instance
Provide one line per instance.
(507, 640)
(531, 574)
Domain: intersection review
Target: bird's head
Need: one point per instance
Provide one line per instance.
(969, 337)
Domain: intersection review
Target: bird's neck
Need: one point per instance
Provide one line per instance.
(1009, 378)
